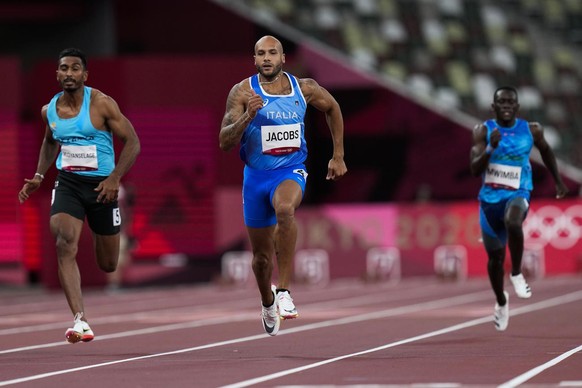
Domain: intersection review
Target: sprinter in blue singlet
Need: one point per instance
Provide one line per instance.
(500, 155)
(265, 114)
(80, 124)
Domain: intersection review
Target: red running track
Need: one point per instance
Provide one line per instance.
(418, 333)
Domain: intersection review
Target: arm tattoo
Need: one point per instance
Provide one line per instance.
(232, 130)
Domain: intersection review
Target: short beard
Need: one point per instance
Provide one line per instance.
(276, 71)
(70, 89)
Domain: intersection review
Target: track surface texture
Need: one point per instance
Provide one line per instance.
(421, 332)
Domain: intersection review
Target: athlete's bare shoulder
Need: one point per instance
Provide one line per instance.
(98, 97)
(238, 96)
(479, 133)
(479, 128)
(101, 100)
(239, 90)
(308, 86)
(536, 129)
(44, 112)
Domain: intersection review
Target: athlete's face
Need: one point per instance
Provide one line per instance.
(71, 74)
(269, 58)
(505, 106)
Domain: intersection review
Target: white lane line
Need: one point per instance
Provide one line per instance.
(412, 385)
(376, 315)
(365, 317)
(287, 372)
(149, 330)
(141, 315)
(522, 310)
(539, 369)
(65, 371)
(242, 317)
(358, 301)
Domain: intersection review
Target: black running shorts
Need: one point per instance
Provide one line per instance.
(75, 195)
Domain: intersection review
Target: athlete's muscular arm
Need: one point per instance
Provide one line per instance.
(120, 127)
(47, 155)
(480, 153)
(242, 106)
(548, 157)
(322, 100)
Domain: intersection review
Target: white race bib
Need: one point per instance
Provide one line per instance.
(503, 175)
(281, 139)
(79, 158)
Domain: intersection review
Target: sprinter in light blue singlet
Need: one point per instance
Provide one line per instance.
(80, 124)
(265, 115)
(500, 155)
(84, 149)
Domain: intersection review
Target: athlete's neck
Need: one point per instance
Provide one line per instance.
(271, 81)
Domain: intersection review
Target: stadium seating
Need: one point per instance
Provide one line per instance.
(458, 51)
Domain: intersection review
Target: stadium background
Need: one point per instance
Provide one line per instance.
(412, 77)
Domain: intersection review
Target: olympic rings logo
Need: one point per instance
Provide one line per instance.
(551, 225)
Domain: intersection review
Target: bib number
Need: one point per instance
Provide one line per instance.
(281, 139)
(79, 158)
(500, 175)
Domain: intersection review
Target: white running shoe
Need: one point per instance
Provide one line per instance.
(270, 316)
(80, 331)
(501, 316)
(522, 289)
(287, 309)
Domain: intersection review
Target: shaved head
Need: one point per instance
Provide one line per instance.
(269, 41)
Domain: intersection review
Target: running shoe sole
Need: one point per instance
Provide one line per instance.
(73, 336)
(290, 315)
(284, 313)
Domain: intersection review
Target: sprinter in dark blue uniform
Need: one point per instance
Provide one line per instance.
(500, 155)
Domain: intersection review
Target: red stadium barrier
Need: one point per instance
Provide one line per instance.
(553, 231)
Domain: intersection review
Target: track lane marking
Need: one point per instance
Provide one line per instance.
(447, 302)
(572, 297)
(346, 302)
(539, 369)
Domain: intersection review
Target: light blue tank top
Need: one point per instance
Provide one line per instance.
(85, 150)
(513, 151)
(275, 138)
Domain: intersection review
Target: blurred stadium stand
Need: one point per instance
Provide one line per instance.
(456, 52)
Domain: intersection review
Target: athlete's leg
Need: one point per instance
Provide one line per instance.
(514, 218)
(115, 278)
(263, 249)
(494, 239)
(286, 200)
(106, 251)
(67, 230)
(105, 223)
(496, 273)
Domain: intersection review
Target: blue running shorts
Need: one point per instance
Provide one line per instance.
(258, 189)
(492, 218)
